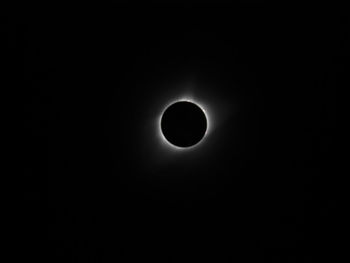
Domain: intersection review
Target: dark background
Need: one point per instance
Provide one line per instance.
(264, 195)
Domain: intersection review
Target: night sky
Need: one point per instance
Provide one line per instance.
(261, 188)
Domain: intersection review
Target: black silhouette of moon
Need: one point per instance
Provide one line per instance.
(183, 124)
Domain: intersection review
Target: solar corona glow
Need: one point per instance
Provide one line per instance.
(172, 146)
(157, 149)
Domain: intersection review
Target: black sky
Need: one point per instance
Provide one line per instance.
(263, 191)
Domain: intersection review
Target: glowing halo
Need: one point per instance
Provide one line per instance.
(208, 129)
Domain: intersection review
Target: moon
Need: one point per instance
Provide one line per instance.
(183, 124)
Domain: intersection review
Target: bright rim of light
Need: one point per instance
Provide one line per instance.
(201, 106)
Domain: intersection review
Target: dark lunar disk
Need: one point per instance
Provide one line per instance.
(183, 124)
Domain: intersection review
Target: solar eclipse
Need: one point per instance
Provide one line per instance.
(183, 124)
